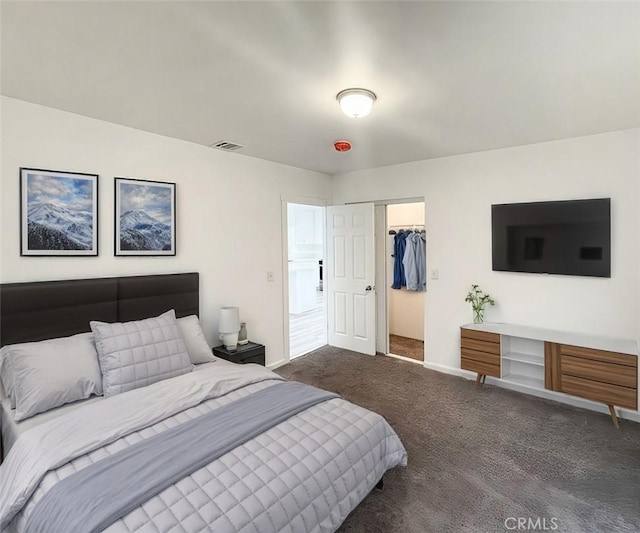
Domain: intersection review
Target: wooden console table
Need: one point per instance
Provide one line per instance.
(596, 368)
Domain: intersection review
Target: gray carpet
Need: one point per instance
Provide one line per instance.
(479, 458)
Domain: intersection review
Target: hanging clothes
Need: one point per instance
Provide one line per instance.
(399, 245)
(414, 262)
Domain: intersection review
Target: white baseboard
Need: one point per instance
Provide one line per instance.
(402, 358)
(277, 364)
(451, 370)
(627, 414)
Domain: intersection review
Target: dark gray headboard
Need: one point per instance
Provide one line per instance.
(35, 311)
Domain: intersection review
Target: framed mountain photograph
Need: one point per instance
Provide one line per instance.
(145, 217)
(58, 213)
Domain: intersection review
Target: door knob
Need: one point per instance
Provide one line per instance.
(369, 288)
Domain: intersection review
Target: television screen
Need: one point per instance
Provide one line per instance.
(567, 237)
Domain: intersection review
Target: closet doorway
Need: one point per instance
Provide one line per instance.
(305, 254)
(406, 279)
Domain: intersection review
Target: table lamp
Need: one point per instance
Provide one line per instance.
(229, 327)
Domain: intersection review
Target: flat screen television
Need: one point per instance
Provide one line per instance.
(566, 237)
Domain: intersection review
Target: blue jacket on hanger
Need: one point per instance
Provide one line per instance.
(399, 245)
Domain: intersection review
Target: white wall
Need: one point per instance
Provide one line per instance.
(459, 191)
(406, 308)
(229, 221)
(406, 215)
(228, 211)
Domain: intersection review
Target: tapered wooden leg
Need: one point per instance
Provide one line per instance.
(484, 377)
(614, 416)
(478, 378)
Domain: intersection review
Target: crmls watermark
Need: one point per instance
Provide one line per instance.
(522, 523)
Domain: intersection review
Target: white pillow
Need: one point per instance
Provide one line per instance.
(139, 353)
(6, 376)
(50, 373)
(197, 347)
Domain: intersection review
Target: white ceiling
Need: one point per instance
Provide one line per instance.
(451, 77)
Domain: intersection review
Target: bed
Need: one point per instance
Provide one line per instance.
(305, 470)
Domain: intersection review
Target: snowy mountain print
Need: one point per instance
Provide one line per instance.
(140, 231)
(59, 213)
(53, 227)
(145, 211)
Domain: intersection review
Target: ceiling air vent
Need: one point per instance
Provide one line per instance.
(227, 146)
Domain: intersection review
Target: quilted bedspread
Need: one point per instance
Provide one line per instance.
(305, 474)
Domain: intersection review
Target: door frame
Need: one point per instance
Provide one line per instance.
(382, 304)
(382, 278)
(284, 201)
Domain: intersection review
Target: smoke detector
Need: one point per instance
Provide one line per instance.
(342, 146)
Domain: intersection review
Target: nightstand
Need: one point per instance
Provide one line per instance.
(252, 352)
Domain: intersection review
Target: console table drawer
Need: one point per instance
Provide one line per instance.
(600, 392)
(480, 335)
(480, 352)
(481, 367)
(483, 357)
(480, 346)
(624, 376)
(600, 355)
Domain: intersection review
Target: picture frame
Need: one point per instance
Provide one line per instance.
(145, 217)
(58, 213)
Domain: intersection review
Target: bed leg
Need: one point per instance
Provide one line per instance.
(380, 484)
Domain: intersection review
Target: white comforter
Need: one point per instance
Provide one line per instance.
(305, 474)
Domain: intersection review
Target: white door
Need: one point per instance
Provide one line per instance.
(350, 274)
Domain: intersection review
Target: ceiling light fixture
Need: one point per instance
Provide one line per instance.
(356, 103)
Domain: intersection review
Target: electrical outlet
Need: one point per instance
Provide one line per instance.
(434, 273)
(270, 276)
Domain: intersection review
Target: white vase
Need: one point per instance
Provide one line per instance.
(242, 335)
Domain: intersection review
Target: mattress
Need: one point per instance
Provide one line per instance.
(305, 474)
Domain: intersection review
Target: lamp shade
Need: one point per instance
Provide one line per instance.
(229, 320)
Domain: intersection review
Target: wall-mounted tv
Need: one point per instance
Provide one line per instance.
(567, 237)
